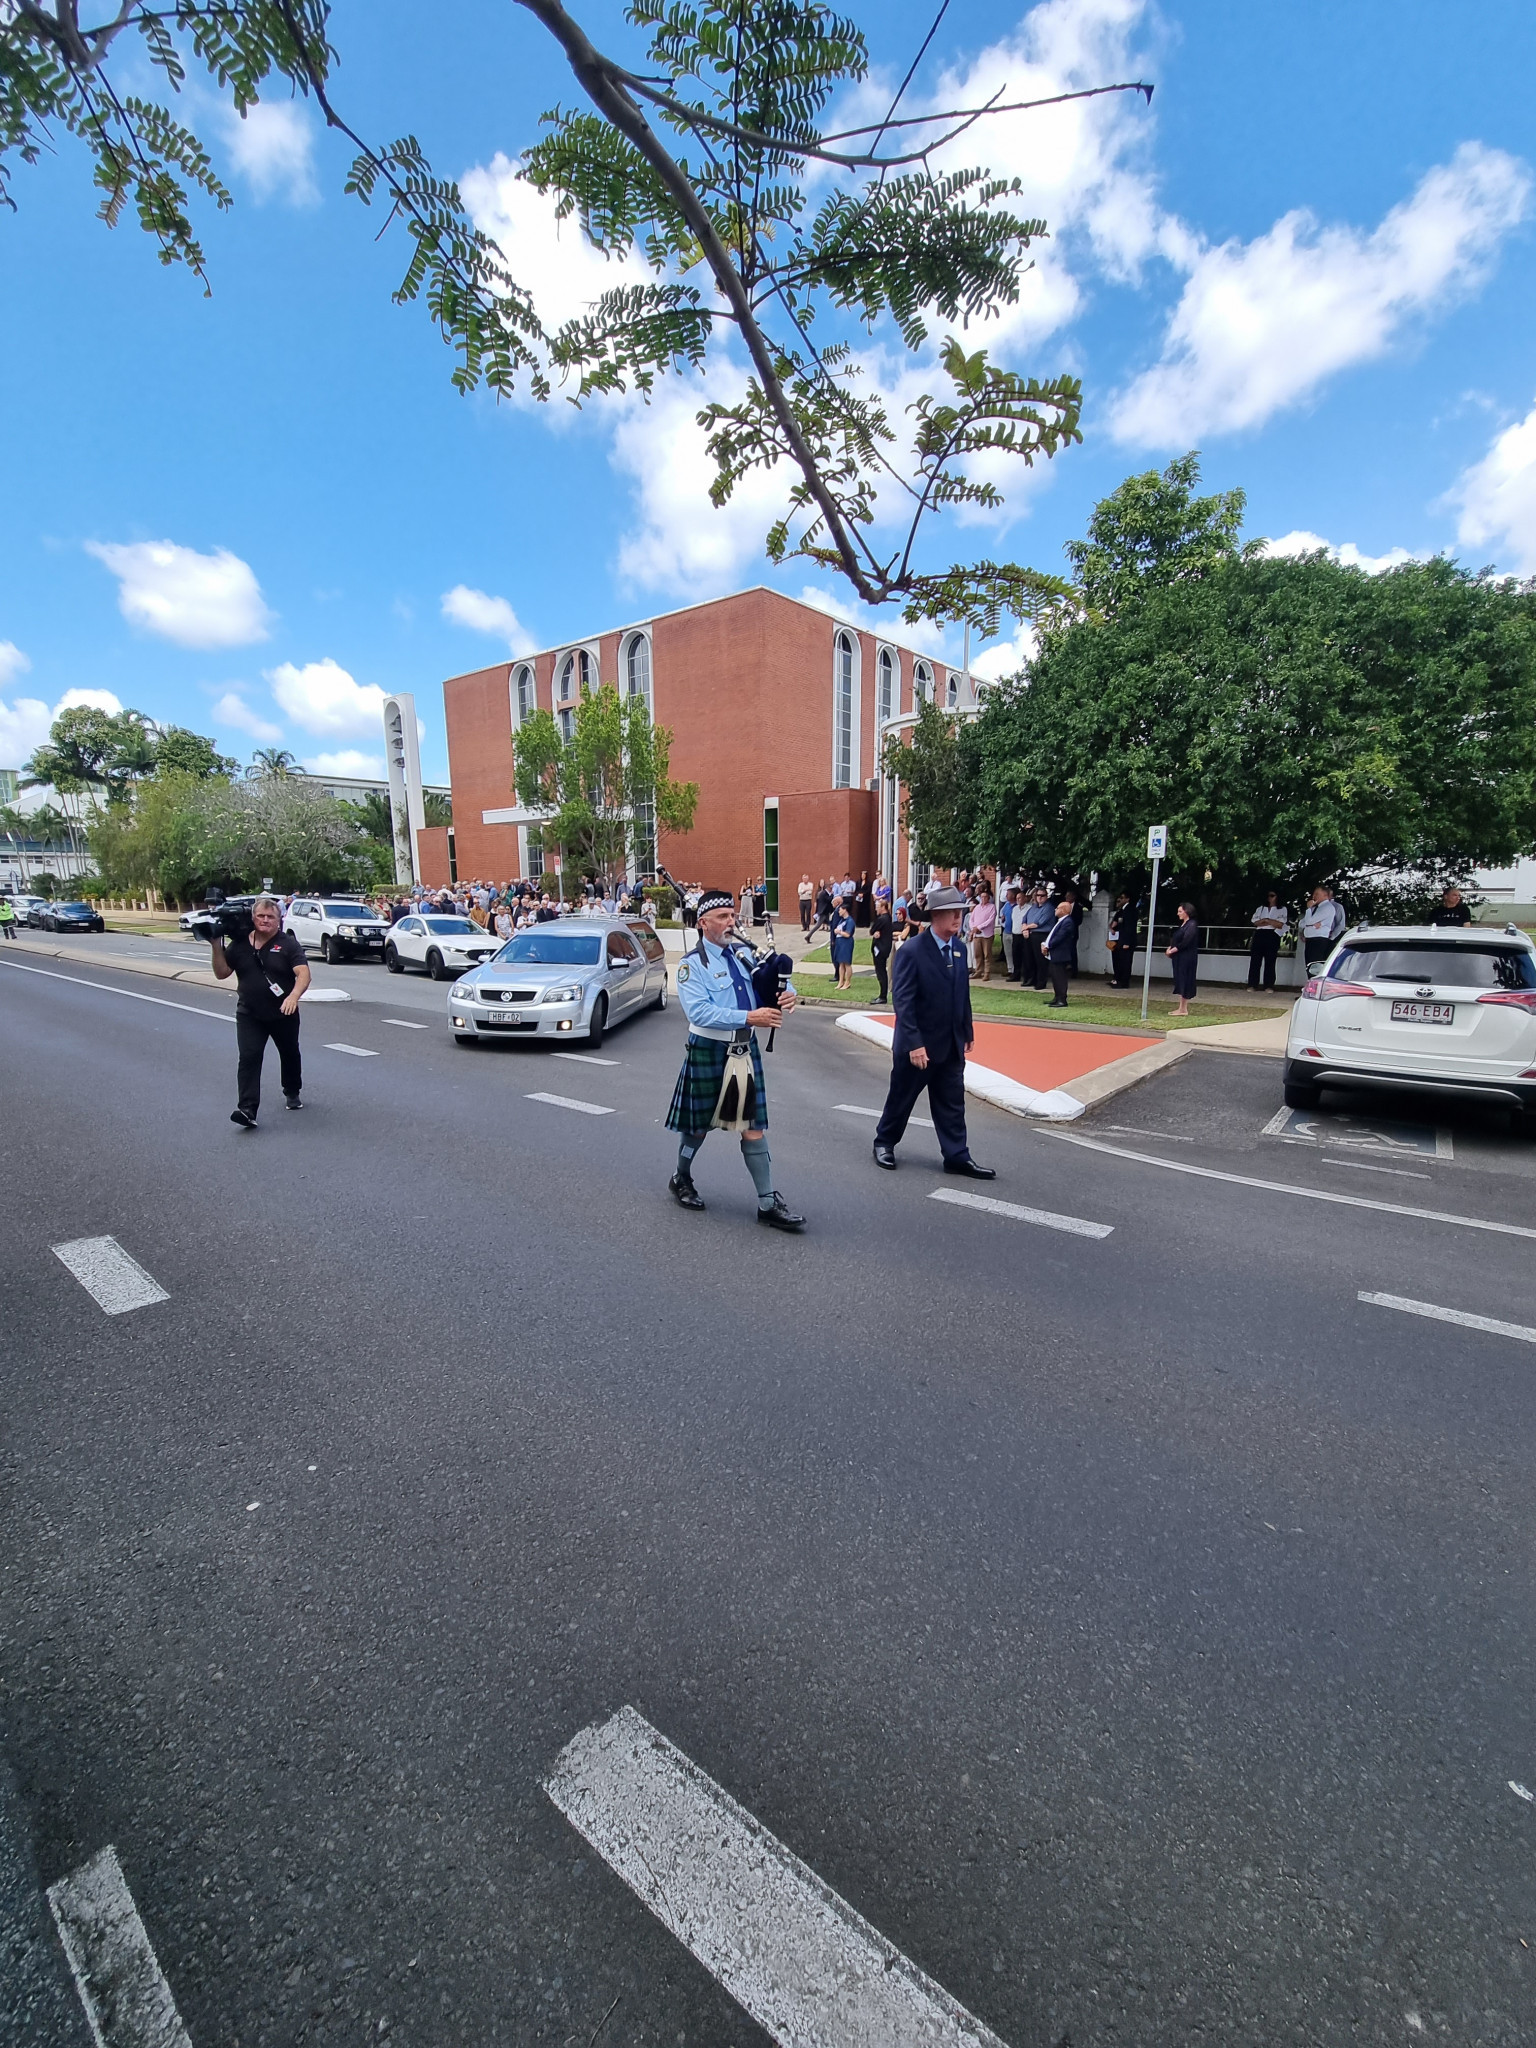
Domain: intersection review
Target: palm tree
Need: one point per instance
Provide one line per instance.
(275, 761)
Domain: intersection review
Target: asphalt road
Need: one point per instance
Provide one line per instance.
(1137, 1631)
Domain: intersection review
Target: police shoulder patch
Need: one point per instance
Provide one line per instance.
(682, 973)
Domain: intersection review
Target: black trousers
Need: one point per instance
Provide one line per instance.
(1315, 951)
(1032, 959)
(945, 1082)
(251, 1035)
(1120, 959)
(1263, 952)
(882, 961)
(1057, 970)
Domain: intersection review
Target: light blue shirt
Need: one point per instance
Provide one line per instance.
(709, 996)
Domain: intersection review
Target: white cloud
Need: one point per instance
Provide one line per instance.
(13, 662)
(196, 600)
(233, 711)
(322, 698)
(1262, 324)
(1497, 497)
(350, 761)
(1005, 657)
(24, 725)
(1300, 542)
(483, 613)
(273, 146)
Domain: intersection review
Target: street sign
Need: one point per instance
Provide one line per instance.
(1157, 842)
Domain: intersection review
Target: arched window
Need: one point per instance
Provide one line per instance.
(842, 712)
(885, 686)
(637, 668)
(575, 675)
(922, 682)
(952, 693)
(523, 697)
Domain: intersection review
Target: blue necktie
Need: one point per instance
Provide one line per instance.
(739, 982)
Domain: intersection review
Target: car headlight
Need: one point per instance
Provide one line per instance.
(461, 994)
(571, 993)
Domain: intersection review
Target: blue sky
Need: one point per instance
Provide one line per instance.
(252, 513)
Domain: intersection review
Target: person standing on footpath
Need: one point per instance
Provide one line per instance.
(934, 1032)
(1185, 955)
(272, 974)
(844, 930)
(1122, 939)
(1038, 919)
(1321, 923)
(807, 899)
(1269, 921)
(881, 940)
(983, 926)
(1059, 949)
(714, 986)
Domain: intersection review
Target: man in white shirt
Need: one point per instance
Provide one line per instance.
(1269, 921)
(1321, 923)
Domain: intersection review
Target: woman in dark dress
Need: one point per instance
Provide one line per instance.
(842, 946)
(861, 899)
(1185, 955)
(881, 939)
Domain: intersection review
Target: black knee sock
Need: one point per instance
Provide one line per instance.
(691, 1141)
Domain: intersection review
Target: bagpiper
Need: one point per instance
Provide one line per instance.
(721, 1086)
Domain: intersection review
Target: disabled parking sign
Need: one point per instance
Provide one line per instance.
(1157, 842)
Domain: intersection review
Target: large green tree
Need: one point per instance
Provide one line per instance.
(607, 789)
(182, 833)
(693, 150)
(94, 753)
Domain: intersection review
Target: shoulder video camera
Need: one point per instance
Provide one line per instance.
(222, 919)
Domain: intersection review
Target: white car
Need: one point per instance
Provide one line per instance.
(444, 945)
(337, 928)
(1446, 1011)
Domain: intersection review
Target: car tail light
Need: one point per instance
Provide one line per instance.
(1328, 989)
(1514, 999)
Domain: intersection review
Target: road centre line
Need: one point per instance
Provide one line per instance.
(1437, 1314)
(1075, 1226)
(358, 1052)
(126, 1998)
(809, 1969)
(858, 1109)
(1364, 1166)
(570, 1102)
(588, 1059)
(106, 988)
(405, 1024)
(1286, 1187)
(113, 1280)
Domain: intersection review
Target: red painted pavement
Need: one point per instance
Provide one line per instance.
(1043, 1055)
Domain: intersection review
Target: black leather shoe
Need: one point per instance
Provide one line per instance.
(1056, 1006)
(242, 1117)
(780, 1216)
(886, 1157)
(969, 1170)
(684, 1193)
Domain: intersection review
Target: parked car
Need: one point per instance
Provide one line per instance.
(568, 980)
(38, 908)
(442, 944)
(189, 918)
(337, 929)
(70, 917)
(24, 907)
(1436, 1010)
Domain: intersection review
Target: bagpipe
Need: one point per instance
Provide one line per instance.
(770, 969)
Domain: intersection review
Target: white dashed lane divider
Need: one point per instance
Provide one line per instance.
(1075, 1226)
(810, 1970)
(126, 1998)
(114, 1281)
(588, 1059)
(570, 1102)
(858, 1109)
(1436, 1314)
(405, 1024)
(358, 1052)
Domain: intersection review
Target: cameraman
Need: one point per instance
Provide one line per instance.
(273, 973)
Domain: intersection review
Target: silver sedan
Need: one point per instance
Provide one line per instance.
(568, 980)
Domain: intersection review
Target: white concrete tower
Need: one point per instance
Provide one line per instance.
(407, 811)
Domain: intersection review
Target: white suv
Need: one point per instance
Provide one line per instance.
(1452, 1011)
(337, 930)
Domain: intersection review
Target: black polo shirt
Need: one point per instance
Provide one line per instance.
(257, 968)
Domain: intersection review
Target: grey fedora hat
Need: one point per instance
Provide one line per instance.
(946, 899)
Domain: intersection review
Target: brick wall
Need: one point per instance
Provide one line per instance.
(825, 834)
(478, 712)
(432, 855)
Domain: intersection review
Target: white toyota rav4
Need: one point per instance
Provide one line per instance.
(1451, 1012)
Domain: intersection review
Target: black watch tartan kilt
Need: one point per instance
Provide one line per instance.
(698, 1086)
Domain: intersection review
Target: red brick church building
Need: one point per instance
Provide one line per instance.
(775, 710)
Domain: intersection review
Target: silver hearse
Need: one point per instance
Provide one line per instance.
(568, 980)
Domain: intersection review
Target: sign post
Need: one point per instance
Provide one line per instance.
(1157, 848)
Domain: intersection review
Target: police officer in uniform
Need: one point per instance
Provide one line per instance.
(714, 986)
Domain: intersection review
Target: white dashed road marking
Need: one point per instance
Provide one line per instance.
(358, 1052)
(588, 1059)
(1437, 1314)
(1286, 1187)
(809, 1969)
(405, 1024)
(858, 1109)
(126, 1998)
(1076, 1226)
(570, 1102)
(114, 1281)
(1360, 1166)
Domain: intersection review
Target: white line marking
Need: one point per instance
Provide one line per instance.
(1077, 1226)
(810, 1970)
(1135, 1131)
(1285, 1187)
(1520, 1791)
(588, 1059)
(1360, 1166)
(570, 1102)
(358, 1052)
(126, 1998)
(1450, 1315)
(114, 1281)
(405, 1024)
(858, 1109)
(106, 988)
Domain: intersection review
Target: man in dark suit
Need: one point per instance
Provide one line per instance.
(931, 989)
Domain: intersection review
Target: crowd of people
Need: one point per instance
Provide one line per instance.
(508, 907)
